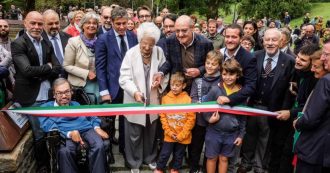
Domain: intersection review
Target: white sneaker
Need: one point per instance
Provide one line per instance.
(152, 165)
(135, 170)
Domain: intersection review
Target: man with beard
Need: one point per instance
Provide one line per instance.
(5, 41)
(6, 58)
(168, 24)
(233, 35)
(76, 131)
(274, 72)
(168, 29)
(105, 20)
(302, 85)
(36, 67)
(55, 36)
(212, 34)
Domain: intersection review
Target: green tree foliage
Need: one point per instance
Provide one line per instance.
(208, 8)
(273, 9)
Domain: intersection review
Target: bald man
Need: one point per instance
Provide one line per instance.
(274, 72)
(36, 67)
(159, 22)
(306, 37)
(53, 33)
(185, 51)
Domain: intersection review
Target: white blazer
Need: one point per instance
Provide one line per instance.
(132, 79)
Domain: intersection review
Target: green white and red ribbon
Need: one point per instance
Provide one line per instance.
(134, 109)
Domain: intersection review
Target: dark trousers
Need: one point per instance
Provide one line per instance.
(140, 143)
(96, 154)
(280, 146)
(304, 167)
(195, 148)
(168, 148)
(40, 148)
(254, 147)
(121, 127)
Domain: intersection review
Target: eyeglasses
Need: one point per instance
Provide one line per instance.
(106, 17)
(183, 31)
(59, 94)
(144, 16)
(325, 54)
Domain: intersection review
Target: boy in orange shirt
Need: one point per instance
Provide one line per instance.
(177, 126)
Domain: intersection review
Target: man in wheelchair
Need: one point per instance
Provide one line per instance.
(77, 131)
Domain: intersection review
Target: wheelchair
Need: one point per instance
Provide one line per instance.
(54, 140)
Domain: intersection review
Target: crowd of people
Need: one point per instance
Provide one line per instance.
(12, 14)
(118, 57)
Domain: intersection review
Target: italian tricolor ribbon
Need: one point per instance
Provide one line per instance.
(136, 108)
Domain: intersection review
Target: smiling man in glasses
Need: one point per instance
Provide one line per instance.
(105, 20)
(144, 14)
(76, 131)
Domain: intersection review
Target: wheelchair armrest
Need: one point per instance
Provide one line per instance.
(54, 138)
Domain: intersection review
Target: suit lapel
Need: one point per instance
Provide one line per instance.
(130, 40)
(113, 41)
(177, 48)
(44, 52)
(260, 62)
(31, 50)
(279, 68)
(64, 40)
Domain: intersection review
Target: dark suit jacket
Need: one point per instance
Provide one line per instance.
(172, 51)
(280, 95)
(100, 31)
(108, 61)
(64, 39)
(29, 72)
(248, 81)
(313, 145)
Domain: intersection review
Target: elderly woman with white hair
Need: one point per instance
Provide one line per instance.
(139, 65)
(79, 58)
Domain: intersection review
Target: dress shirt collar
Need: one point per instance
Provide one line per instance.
(57, 36)
(191, 43)
(234, 55)
(33, 39)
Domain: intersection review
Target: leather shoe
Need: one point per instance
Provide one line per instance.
(242, 170)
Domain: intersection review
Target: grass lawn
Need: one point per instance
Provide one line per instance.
(318, 9)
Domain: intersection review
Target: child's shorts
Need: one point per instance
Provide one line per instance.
(217, 143)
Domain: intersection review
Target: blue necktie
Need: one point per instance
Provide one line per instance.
(57, 50)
